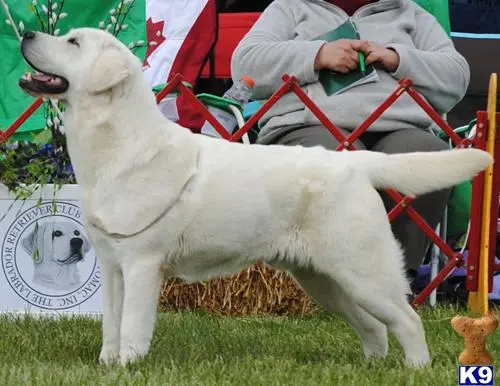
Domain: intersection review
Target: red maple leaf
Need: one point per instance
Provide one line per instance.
(154, 33)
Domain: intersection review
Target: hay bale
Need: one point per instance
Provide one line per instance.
(259, 290)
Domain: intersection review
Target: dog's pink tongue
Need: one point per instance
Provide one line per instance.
(42, 77)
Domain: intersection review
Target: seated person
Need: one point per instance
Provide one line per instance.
(401, 40)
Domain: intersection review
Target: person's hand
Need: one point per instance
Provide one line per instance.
(386, 57)
(340, 55)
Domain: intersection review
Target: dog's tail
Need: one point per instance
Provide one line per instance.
(418, 173)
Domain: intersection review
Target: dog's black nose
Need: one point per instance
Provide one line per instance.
(76, 243)
(29, 35)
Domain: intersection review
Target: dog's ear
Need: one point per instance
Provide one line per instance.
(108, 70)
(86, 245)
(30, 244)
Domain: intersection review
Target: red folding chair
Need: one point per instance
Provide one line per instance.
(232, 28)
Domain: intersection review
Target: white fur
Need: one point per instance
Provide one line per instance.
(160, 201)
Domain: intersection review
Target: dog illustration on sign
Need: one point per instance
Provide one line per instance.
(56, 248)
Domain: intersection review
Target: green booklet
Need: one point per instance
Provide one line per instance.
(335, 82)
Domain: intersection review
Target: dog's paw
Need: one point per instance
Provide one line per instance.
(130, 354)
(375, 352)
(420, 362)
(110, 354)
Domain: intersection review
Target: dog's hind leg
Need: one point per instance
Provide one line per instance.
(400, 318)
(328, 294)
(142, 280)
(382, 294)
(112, 292)
(362, 255)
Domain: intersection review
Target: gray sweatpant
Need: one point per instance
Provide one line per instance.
(430, 206)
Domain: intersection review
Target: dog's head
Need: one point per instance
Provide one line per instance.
(61, 242)
(85, 61)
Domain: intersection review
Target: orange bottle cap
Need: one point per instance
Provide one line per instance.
(248, 81)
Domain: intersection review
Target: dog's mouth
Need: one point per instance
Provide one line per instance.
(42, 83)
(75, 257)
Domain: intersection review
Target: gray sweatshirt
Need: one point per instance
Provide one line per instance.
(281, 42)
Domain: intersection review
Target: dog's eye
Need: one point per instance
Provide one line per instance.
(73, 41)
(57, 234)
(77, 233)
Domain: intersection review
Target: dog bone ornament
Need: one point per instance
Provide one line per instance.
(475, 332)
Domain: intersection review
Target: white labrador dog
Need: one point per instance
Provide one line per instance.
(160, 201)
(56, 248)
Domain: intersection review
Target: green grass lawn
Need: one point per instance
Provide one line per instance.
(200, 349)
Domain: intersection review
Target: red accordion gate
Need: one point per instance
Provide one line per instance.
(402, 204)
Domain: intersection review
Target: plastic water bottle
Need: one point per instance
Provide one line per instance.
(240, 92)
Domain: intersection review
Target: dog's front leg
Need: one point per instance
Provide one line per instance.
(142, 280)
(112, 290)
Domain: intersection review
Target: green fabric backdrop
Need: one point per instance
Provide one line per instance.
(80, 13)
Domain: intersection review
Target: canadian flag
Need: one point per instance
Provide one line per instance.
(180, 34)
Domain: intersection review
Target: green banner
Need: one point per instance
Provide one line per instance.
(125, 18)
